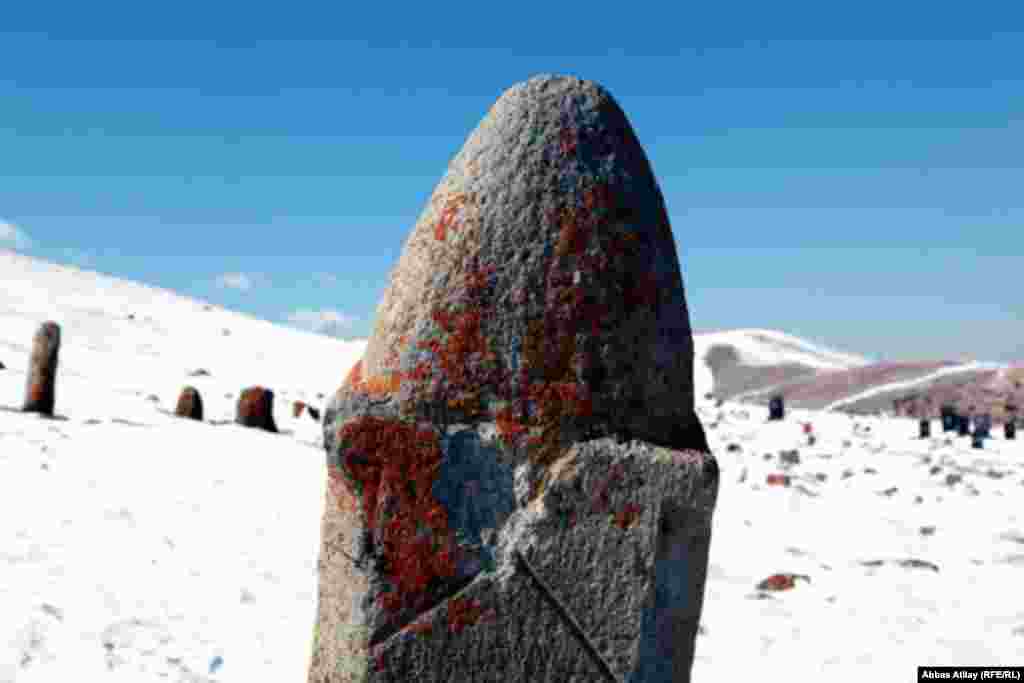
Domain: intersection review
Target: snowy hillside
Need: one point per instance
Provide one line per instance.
(138, 547)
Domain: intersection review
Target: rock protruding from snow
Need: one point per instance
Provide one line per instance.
(522, 426)
(297, 408)
(190, 404)
(40, 388)
(256, 409)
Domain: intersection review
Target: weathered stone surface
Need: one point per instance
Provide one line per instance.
(527, 389)
(190, 404)
(40, 387)
(256, 409)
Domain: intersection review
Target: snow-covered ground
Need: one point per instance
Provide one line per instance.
(138, 547)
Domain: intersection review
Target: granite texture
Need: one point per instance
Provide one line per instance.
(527, 392)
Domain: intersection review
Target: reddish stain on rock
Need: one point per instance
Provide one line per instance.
(781, 582)
(627, 516)
(392, 465)
(190, 404)
(463, 612)
(777, 480)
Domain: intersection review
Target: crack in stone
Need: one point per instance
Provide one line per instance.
(567, 618)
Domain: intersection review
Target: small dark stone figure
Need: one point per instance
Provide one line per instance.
(977, 441)
(776, 408)
(949, 419)
(983, 425)
(256, 409)
(42, 370)
(925, 429)
(1010, 430)
(190, 404)
(963, 425)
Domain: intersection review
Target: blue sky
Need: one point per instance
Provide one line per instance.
(848, 173)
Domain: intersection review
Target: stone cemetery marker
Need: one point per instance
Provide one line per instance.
(925, 429)
(983, 425)
(42, 370)
(963, 425)
(776, 408)
(519, 488)
(256, 409)
(190, 404)
(949, 419)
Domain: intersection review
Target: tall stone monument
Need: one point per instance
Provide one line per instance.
(518, 486)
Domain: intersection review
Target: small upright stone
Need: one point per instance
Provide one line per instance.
(776, 408)
(297, 408)
(949, 418)
(983, 425)
(1010, 429)
(521, 427)
(190, 404)
(925, 429)
(256, 409)
(42, 370)
(963, 425)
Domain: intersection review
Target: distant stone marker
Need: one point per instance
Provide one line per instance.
(925, 429)
(190, 404)
(977, 441)
(520, 436)
(776, 408)
(963, 425)
(1010, 429)
(983, 425)
(40, 387)
(256, 409)
(949, 418)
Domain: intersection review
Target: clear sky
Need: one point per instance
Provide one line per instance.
(848, 172)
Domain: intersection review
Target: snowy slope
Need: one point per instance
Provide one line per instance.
(137, 547)
(772, 347)
(762, 358)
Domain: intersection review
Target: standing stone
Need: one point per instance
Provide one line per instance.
(190, 404)
(983, 425)
(925, 427)
(977, 441)
(949, 419)
(42, 370)
(963, 425)
(297, 407)
(519, 488)
(776, 408)
(256, 409)
(1010, 429)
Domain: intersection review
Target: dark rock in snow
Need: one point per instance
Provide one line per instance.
(190, 404)
(40, 387)
(525, 399)
(256, 409)
(199, 372)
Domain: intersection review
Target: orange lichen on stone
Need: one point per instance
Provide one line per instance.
(378, 385)
(627, 516)
(508, 427)
(448, 215)
(392, 466)
(355, 375)
(575, 231)
(463, 612)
